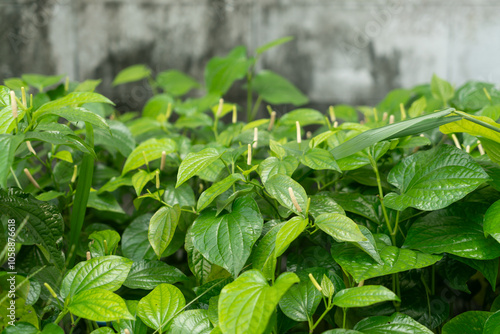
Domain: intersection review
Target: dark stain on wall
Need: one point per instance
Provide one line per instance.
(384, 71)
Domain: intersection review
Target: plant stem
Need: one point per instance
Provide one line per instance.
(381, 198)
(15, 178)
(344, 310)
(60, 316)
(256, 107)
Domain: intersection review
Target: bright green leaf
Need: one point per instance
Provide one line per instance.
(363, 296)
(209, 195)
(152, 149)
(99, 305)
(147, 275)
(340, 227)
(176, 83)
(395, 324)
(131, 74)
(278, 187)
(288, 232)
(275, 89)
(467, 323)
(195, 163)
(162, 228)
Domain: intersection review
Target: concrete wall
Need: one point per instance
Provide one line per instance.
(345, 51)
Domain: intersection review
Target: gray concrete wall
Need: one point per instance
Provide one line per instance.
(345, 51)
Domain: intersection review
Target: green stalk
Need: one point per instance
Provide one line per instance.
(477, 121)
(381, 197)
(82, 194)
(249, 96)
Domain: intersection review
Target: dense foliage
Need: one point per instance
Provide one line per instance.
(184, 219)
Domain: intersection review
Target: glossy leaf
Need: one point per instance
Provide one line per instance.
(191, 322)
(456, 230)
(103, 242)
(209, 195)
(395, 324)
(319, 159)
(492, 221)
(474, 129)
(492, 324)
(74, 114)
(246, 305)
(432, 180)
(8, 147)
(162, 228)
(322, 203)
(288, 232)
(152, 149)
(109, 307)
(340, 227)
(263, 257)
(147, 275)
(183, 195)
(275, 89)
(363, 296)
(277, 186)
(131, 74)
(195, 163)
(301, 301)
(227, 239)
(272, 166)
(393, 260)
(72, 100)
(104, 272)
(467, 323)
(160, 306)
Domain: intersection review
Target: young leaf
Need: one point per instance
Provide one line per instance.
(474, 129)
(140, 179)
(492, 221)
(288, 232)
(99, 305)
(301, 301)
(456, 230)
(162, 228)
(340, 227)
(104, 272)
(432, 180)
(272, 166)
(227, 239)
(209, 195)
(275, 89)
(75, 114)
(395, 324)
(492, 324)
(467, 322)
(152, 149)
(195, 163)
(246, 305)
(263, 257)
(103, 242)
(160, 306)
(261, 49)
(305, 116)
(40, 81)
(319, 159)
(191, 322)
(74, 99)
(131, 74)
(147, 275)
(222, 72)
(176, 83)
(8, 147)
(278, 187)
(441, 89)
(363, 296)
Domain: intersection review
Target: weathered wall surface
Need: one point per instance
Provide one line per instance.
(345, 51)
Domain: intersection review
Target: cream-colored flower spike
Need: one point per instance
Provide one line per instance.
(13, 103)
(30, 148)
(75, 172)
(271, 121)
(316, 285)
(235, 114)
(294, 199)
(163, 159)
(30, 177)
(255, 137)
(249, 157)
(455, 140)
(299, 134)
(331, 111)
(480, 148)
(219, 109)
(391, 119)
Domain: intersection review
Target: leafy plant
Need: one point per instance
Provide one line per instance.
(353, 220)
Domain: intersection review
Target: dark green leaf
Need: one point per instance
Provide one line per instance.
(148, 275)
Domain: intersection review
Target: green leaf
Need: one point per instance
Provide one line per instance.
(417, 108)
(131, 74)
(432, 180)
(492, 221)
(160, 306)
(272, 166)
(40, 81)
(183, 195)
(147, 275)
(87, 85)
(74, 114)
(198, 264)
(277, 186)
(157, 105)
(72, 100)
(246, 305)
(64, 155)
(61, 138)
(195, 163)
(492, 324)
(222, 72)
(49, 195)
(393, 260)
(441, 89)
(288, 232)
(456, 230)
(103, 242)
(8, 147)
(414, 126)
(103, 330)
(152, 149)
(340, 227)
(135, 242)
(176, 83)
(103, 272)
(363, 296)
(227, 239)
(492, 149)
(162, 228)
(115, 183)
(191, 322)
(322, 203)
(209, 195)
(99, 305)
(474, 129)
(327, 287)
(275, 89)
(134, 326)
(305, 116)
(467, 323)
(319, 159)
(489, 268)
(263, 256)
(301, 301)
(140, 179)
(120, 138)
(44, 225)
(4, 97)
(261, 49)
(104, 202)
(395, 324)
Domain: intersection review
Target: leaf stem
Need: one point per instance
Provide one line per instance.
(477, 121)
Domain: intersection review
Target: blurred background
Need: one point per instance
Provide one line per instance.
(344, 51)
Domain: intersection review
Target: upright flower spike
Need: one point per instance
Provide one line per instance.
(309, 134)
(88, 256)
(299, 134)
(30, 148)
(403, 111)
(169, 112)
(51, 291)
(455, 140)
(219, 109)
(163, 159)
(146, 162)
(13, 103)
(30, 177)
(272, 120)
(316, 285)
(235, 114)
(126, 331)
(331, 111)
(480, 148)
(75, 171)
(23, 96)
(467, 148)
(336, 124)
(391, 119)
(157, 179)
(384, 116)
(249, 157)
(294, 200)
(255, 137)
